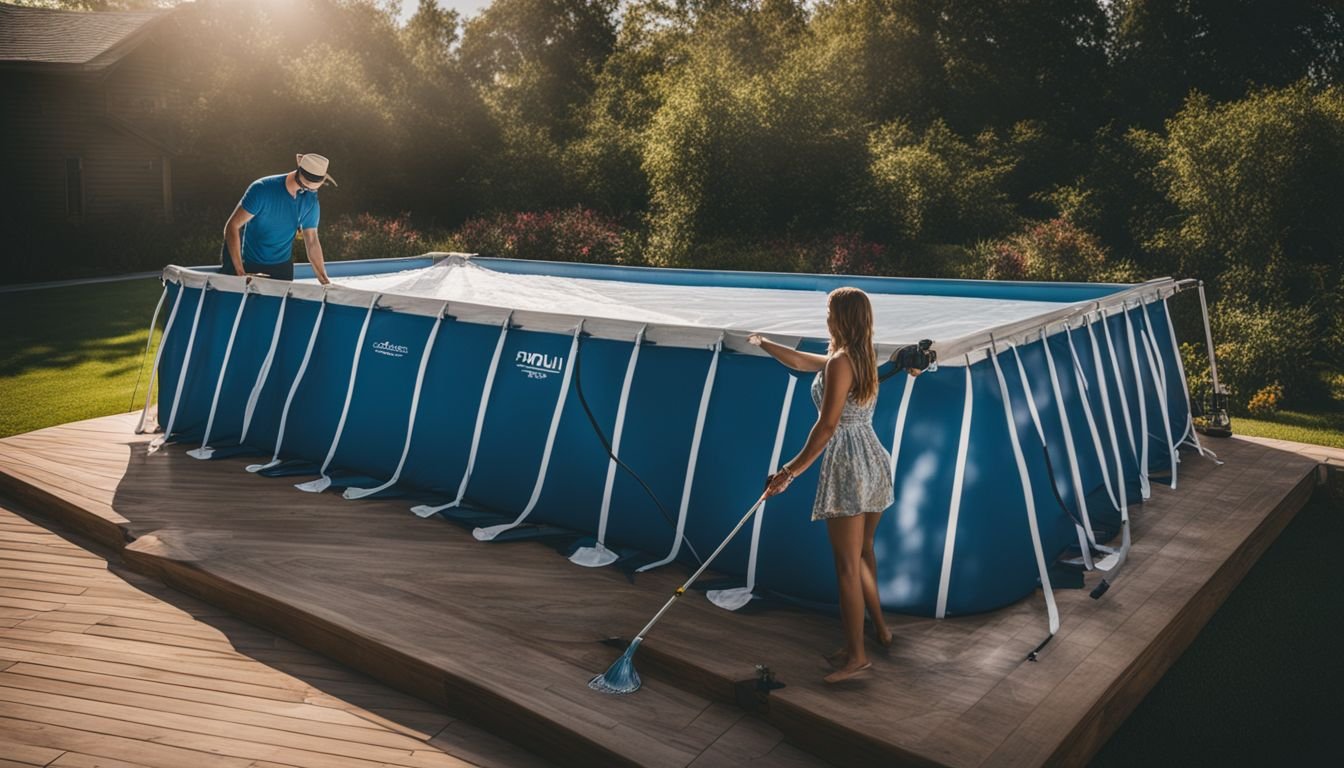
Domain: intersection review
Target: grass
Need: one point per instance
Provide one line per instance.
(1321, 428)
(73, 353)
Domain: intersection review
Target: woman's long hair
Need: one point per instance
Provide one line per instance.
(852, 331)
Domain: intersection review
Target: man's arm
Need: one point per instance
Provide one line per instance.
(233, 236)
(313, 247)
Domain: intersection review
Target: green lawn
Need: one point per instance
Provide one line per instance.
(73, 353)
(1325, 428)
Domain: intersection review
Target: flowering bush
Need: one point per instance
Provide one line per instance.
(367, 236)
(842, 254)
(1054, 251)
(850, 254)
(573, 234)
(1266, 402)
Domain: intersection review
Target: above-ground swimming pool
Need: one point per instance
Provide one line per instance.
(451, 380)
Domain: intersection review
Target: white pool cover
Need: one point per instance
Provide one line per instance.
(898, 318)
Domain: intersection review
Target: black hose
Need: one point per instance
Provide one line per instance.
(606, 444)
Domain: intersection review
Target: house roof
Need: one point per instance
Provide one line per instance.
(51, 39)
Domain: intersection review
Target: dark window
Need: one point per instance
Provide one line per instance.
(74, 186)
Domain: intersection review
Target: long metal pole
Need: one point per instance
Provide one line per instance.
(1208, 339)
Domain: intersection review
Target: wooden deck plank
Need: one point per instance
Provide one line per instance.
(146, 689)
(507, 634)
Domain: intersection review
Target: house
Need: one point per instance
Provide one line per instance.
(86, 101)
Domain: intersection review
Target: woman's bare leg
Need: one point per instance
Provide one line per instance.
(846, 534)
(871, 598)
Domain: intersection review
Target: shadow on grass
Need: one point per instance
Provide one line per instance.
(60, 328)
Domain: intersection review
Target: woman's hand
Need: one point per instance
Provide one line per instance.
(755, 339)
(778, 483)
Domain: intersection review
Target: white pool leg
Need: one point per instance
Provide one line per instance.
(205, 451)
(359, 493)
(294, 388)
(153, 321)
(323, 481)
(1083, 547)
(1143, 404)
(264, 372)
(1080, 381)
(158, 442)
(690, 464)
(1028, 500)
(425, 510)
(735, 598)
(489, 533)
(954, 509)
(598, 555)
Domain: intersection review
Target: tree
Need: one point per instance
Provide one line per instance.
(1163, 49)
(538, 60)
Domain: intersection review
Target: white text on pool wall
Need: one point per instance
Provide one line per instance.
(390, 349)
(537, 365)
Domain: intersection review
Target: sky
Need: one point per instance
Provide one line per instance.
(464, 8)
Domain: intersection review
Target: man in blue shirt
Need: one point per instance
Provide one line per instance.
(259, 236)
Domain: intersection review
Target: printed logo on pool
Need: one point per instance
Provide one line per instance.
(537, 365)
(390, 349)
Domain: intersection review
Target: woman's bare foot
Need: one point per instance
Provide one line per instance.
(838, 658)
(884, 637)
(848, 672)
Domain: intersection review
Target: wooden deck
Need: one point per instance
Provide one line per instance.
(507, 635)
(103, 667)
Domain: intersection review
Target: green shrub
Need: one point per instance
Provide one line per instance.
(936, 187)
(1256, 347)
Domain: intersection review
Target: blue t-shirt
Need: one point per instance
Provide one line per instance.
(269, 236)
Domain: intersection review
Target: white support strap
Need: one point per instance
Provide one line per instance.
(735, 598)
(1074, 474)
(490, 532)
(1160, 379)
(1081, 382)
(1119, 383)
(1083, 546)
(294, 388)
(264, 372)
(1189, 426)
(1028, 500)
(205, 451)
(1124, 399)
(359, 493)
(1115, 445)
(158, 442)
(690, 464)
(424, 510)
(898, 435)
(1031, 399)
(954, 509)
(140, 428)
(1143, 404)
(323, 481)
(598, 555)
